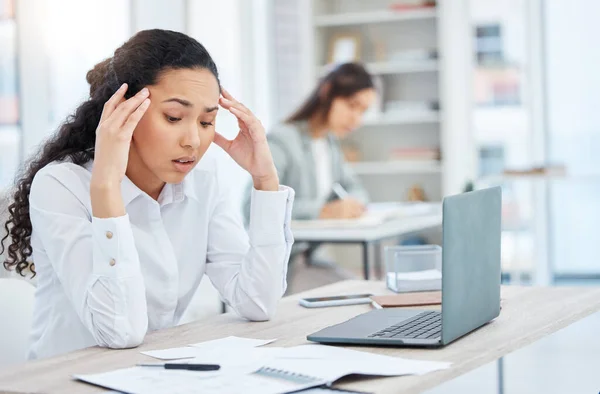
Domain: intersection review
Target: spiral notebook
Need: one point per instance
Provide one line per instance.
(316, 385)
(289, 376)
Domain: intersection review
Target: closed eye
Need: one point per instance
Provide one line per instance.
(206, 124)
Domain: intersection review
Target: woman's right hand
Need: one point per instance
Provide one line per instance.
(113, 140)
(113, 136)
(348, 208)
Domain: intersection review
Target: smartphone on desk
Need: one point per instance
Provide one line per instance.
(322, 302)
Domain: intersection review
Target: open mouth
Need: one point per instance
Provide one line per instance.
(184, 164)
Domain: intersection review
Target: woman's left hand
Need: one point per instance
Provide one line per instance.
(249, 148)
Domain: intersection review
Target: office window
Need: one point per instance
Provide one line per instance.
(102, 26)
(489, 44)
(10, 136)
(502, 126)
(573, 82)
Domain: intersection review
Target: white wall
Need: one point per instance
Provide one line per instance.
(158, 14)
(458, 149)
(59, 42)
(573, 83)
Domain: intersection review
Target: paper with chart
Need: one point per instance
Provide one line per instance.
(198, 349)
(239, 362)
(235, 376)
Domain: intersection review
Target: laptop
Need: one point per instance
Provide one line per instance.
(470, 283)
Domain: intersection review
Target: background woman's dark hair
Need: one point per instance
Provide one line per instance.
(139, 62)
(344, 81)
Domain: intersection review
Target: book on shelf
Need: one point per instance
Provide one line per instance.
(412, 5)
(425, 154)
(399, 106)
(413, 55)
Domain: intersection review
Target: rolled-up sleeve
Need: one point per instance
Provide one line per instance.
(95, 260)
(249, 268)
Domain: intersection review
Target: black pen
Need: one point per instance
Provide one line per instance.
(184, 366)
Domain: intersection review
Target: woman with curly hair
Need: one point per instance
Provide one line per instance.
(122, 218)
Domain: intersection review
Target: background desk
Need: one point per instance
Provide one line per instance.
(527, 315)
(368, 236)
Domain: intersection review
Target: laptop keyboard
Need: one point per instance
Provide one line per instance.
(422, 326)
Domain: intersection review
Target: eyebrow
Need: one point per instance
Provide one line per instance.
(186, 103)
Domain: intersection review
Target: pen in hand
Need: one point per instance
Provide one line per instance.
(340, 191)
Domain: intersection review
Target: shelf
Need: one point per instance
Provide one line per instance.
(402, 67)
(399, 67)
(398, 118)
(360, 18)
(496, 179)
(397, 167)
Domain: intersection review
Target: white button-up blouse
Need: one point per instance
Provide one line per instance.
(108, 281)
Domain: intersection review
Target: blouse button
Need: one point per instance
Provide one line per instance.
(109, 235)
(112, 262)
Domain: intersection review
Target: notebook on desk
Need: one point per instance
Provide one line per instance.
(408, 299)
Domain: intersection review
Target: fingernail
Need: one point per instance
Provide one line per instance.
(146, 103)
(123, 86)
(144, 92)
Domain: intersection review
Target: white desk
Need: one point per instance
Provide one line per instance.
(368, 236)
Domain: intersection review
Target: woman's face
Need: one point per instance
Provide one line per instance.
(177, 128)
(346, 113)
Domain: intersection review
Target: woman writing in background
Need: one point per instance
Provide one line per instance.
(119, 221)
(306, 148)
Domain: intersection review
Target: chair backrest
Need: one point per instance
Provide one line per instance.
(16, 309)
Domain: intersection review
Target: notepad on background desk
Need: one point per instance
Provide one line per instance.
(420, 298)
(376, 214)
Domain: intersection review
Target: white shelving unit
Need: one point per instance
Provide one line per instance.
(387, 40)
(370, 17)
(405, 67)
(423, 58)
(397, 167)
(402, 118)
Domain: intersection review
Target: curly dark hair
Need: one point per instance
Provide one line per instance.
(138, 62)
